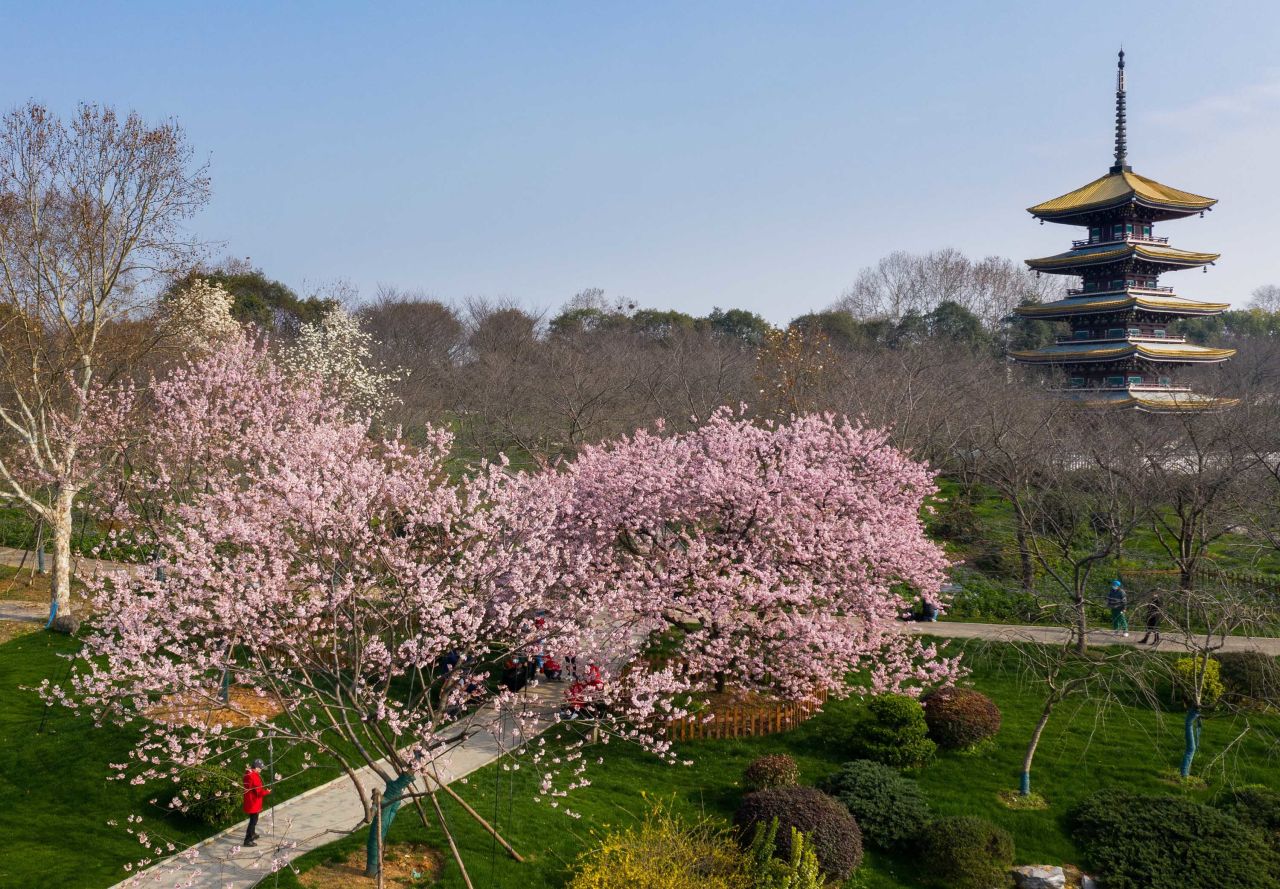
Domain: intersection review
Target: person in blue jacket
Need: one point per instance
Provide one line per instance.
(1118, 601)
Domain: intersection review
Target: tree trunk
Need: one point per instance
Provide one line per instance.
(1082, 621)
(1024, 779)
(391, 799)
(59, 519)
(1026, 566)
(1191, 735)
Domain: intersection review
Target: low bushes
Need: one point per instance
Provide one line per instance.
(777, 770)
(960, 717)
(966, 852)
(662, 852)
(1135, 841)
(890, 809)
(210, 794)
(1256, 806)
(894, 732)
(1192, 674)
(826, 825)
(1250, 677)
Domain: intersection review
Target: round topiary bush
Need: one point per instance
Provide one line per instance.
(960, 717)
(775, 770)
(966, 852)
(1250, 677)
(210, 794)
(894, 732)
(1135, 842)
(828, 827)
(890, 809)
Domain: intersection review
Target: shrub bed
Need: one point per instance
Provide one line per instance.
(662, 851)
(891, 810)
(1135, 842)
(1256, 806)
(826, 825)
(960, 717)
(776, 770)
(966, 852)
(1250, 677)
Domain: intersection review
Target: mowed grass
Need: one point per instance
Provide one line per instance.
(1085, 748)
(55, 796)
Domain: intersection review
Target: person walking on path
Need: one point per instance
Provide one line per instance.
(1153, 621)
(1118, 601)
(254, 794)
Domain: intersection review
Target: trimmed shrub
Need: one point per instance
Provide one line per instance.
(960, 717)
(1135, 842)
(775, 770)
(894, 732)
(210, 794)
(662, 852)
(966, 852)
(1250, 676)
(827, 826)
(890, 809)
(1258, 807)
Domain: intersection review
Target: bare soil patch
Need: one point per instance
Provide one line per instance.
(12, 629)
(410, 865)
(244, 707)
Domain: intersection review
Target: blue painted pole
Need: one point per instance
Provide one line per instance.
(1024, 784)
(1191, 735)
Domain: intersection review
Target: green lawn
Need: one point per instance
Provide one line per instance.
(1081, 752)
(56, 801)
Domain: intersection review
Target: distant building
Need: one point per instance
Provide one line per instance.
(1120, 351)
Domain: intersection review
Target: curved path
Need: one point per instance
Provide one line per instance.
(1060, 635)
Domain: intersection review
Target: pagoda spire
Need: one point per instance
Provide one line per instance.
(1122, 147)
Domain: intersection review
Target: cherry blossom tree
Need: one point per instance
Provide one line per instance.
(777, 555)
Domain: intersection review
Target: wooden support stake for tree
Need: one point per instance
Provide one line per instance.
(377, 827)
(448, 835)
(476, 815)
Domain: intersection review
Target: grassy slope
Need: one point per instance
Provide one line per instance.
(55, 799)
(1079, 754)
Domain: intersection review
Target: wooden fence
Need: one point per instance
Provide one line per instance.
(743, 722)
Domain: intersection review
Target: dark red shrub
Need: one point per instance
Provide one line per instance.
(825, 823)
(960, 717)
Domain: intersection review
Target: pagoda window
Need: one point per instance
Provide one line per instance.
(1117, 284)
(1166, 381)
(1135, 381)
(1128, 229)
(1131, 282)
(1077, 382)
(1117, 230)
(1146, 231)
(1113, 382)
(1135, 331)
(1090, 286)
(1159, 331)
(1095, 233)
(1082, 334)
(1115, 333)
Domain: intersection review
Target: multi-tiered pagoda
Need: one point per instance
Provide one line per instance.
(1120, 350)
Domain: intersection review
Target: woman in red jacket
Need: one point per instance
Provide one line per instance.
(254, 793)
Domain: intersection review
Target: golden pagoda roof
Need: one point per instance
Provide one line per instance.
(1117, 302)
(1101, 254)
(1089, 351)
(1116, 189)
(1150, 400)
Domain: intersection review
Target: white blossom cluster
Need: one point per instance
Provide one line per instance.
(338, 350)
(200, 316)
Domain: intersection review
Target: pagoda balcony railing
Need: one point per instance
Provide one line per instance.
(1127, 239)
(1065, 340)
(1080, 291)
(1135, 387)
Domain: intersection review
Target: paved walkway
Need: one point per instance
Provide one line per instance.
(332, 811)
(1059, 635)
(81, 566)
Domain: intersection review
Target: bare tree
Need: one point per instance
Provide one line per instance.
(1266, 298)
(90, 216)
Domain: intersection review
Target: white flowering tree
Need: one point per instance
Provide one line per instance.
(199, 315)
(339, 351)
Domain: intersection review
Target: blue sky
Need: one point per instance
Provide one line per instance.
(678, 154)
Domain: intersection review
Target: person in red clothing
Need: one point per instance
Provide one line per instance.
(254, 794)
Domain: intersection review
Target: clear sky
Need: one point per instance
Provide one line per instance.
(678, 154)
